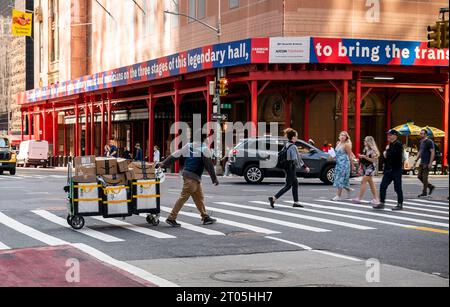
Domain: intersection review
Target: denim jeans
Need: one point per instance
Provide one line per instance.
(291, 183)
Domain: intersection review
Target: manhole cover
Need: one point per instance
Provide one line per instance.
(322, 286)
(245, 234)
(247, 276)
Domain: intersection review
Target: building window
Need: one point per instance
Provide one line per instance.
(53, 30)
(197, 9)
(233, 4)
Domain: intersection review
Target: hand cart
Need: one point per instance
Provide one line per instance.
(92, 199)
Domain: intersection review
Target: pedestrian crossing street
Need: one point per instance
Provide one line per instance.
(320, 217)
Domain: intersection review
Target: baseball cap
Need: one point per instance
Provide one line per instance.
(393, 132)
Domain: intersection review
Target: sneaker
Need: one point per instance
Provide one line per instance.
(296, 205)
(337, 198)
(375, 202)
(173, 223)
(272, 202)
(432, 190)
(381, 206)
(356, 200)
(209, 221)
(398, 208)
(423, 195)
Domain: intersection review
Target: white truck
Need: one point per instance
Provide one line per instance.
(33, 153)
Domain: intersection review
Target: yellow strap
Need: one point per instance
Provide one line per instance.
(146, 196)
(87, 186)
(111, 202)
(88, 200)
(114, 190)
(144, 183)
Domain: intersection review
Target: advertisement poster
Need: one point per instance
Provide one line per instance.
(289, 50)
(21, 23)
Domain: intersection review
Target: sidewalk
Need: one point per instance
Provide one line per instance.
(286, 269)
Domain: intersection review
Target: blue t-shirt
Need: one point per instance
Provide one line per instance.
(112, 150)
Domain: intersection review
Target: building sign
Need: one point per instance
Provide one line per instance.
(21, 23)
(251, 51)
(289, 50)
(376, 52)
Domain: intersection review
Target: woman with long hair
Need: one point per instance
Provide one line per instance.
(343, 165)
(368, 161)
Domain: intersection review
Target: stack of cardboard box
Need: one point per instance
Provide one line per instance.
(111, 171)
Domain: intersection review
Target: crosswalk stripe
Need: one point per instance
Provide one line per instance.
(3, 247)
(267, 220)
(432, 202)
(400, 212)
(86, 231)
(205, 231)
(426, 205)
(231, 223)
(300, 216)
(395, 217)
(338, 214)
(30, 232)
(141, 230)
(309, 249)
(419, 207)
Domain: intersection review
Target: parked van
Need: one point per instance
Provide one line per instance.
(33, 153)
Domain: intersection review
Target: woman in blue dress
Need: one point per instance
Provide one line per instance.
(343, 165)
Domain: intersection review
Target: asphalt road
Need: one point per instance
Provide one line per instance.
(415, 239)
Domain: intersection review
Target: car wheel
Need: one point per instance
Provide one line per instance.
(328, 175)
(1, 172)
(12, 172)
(253, 174)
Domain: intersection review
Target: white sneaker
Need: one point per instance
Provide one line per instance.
(337, 198)
(375, 202)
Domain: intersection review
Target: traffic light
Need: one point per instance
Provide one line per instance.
(434, 36)
(445, 34)
(223, 87)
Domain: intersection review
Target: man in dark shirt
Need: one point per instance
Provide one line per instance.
(113, 150)
(138, 153)
(426, 155)
(198, 157)
(393, 170)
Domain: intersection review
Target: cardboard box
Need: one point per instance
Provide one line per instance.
(139, 176)
(122, 164)
(130, 175)
(87, 161)
(107, 166)
(143, 168)
(85, 179)
(114, 180)
(86, 171)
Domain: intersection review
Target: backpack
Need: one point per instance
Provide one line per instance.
(283, 162)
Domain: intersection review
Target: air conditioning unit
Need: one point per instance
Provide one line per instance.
(38, 14)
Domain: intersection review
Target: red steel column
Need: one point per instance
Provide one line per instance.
(151, 126)
(345, 106)
(65, 139)
(388, 115)
(177, 103)
(21, 126)
(254, 107)
(445, 122)
(358, 102)
(77, 130)
(86, 125)
(109, 107)
(92, 125)
(43, 124)
(55, 132)
(29, 123)
(287, 111)
(102, 127)
(306, 119)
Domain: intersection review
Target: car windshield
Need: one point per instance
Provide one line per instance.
(4, 143)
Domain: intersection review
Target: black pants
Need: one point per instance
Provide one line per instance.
(389, 177)
(291, 183)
